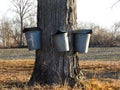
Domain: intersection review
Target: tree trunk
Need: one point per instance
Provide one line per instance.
(21, 31)
(51, 66)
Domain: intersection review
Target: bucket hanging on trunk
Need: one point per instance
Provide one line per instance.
(33, 37)
(81, 40)
(61, 41)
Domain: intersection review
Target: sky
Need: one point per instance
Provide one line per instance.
(99, 12)
(4, 7)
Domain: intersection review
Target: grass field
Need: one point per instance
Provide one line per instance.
(12, 54)
(101, 67)
(107, 53)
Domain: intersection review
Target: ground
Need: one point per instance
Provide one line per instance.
(101, 67)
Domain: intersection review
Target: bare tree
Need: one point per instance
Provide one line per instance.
(116, 28)
(6, 32)
(23, 8)
(116, 33)
(116, 2)
(16, 31)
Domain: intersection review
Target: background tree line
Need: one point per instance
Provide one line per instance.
(103, 37)
(10, 33)
(11, 29)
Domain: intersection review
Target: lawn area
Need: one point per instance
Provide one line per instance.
(14, 75)
(101, 67)
(106, 53)
(12, 54)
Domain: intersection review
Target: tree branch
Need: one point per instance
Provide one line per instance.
(115, 3)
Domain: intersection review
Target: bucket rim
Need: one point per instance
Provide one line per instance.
(60, 32)
(31, 29)
(83, 31)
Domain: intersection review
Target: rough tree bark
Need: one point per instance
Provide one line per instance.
(52, 67)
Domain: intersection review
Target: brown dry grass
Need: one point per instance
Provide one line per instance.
(14, 75)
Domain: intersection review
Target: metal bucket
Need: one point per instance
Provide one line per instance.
(61, 41)
(33, 37)
(81, 40)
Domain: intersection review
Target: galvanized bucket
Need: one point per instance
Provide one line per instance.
(33, 37)
(61, 41)
(81, 40)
